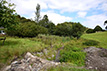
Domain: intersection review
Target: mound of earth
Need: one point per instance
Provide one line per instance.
(30, 63)
(96, 58)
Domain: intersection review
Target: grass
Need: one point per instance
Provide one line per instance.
(67, 68)
(73, 55)
(16, 47)
(100, 37)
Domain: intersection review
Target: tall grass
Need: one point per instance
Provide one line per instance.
(73, 55)
(15, 47)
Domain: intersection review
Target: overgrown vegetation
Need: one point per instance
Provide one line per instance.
(27, 36)
(73, 55)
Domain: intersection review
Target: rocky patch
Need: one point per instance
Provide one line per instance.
(96, 58)
(30, 63)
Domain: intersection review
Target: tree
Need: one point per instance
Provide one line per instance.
(90, 31)
(105, 24)
(106, 27)
(37, 13)
(77, 30)
(44, 22)
(97, 28)
(7, 16)
(63, 29)
(47, 24)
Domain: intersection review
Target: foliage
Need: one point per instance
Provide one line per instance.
(69, 29)
(15, 47)
(97, 28)
(47, 24)
(77, 30)
(63, 29)
(24, 20)
(106, 27)
(90, 31)
(27, 30)
(7, 16)
(91, 43)
(105, 22)
(73, 55)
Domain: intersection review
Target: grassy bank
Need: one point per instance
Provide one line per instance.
(100, 37)
(16, 47)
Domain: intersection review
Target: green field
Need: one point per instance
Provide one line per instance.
(100, 37)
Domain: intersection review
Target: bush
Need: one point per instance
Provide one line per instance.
(27, 30)
(73, 55)
(97, 28)
(69, 29)
(90, 31)
(91, 43)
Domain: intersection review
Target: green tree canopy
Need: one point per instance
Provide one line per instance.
(77, 30)
(7, 16)
(97, 28)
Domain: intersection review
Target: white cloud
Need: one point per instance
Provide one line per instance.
(74, 5)
(104, 6)
(92, 21)
(26, 8)
(56, 18)
(82, 14)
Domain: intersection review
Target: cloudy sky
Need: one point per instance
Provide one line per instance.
(88, 12)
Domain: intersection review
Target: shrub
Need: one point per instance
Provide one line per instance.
(90, 31)
(27, 30)
(97, 28)
(91, 43)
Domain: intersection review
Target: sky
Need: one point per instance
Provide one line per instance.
(88, 12)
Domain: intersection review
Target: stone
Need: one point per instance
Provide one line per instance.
(96, 58)
(30, 63)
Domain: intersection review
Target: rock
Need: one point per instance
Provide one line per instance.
(96, 58)
(7, 68)
(30, 63)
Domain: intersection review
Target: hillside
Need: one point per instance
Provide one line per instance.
(100, 37)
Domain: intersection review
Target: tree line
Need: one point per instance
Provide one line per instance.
(15, 25)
